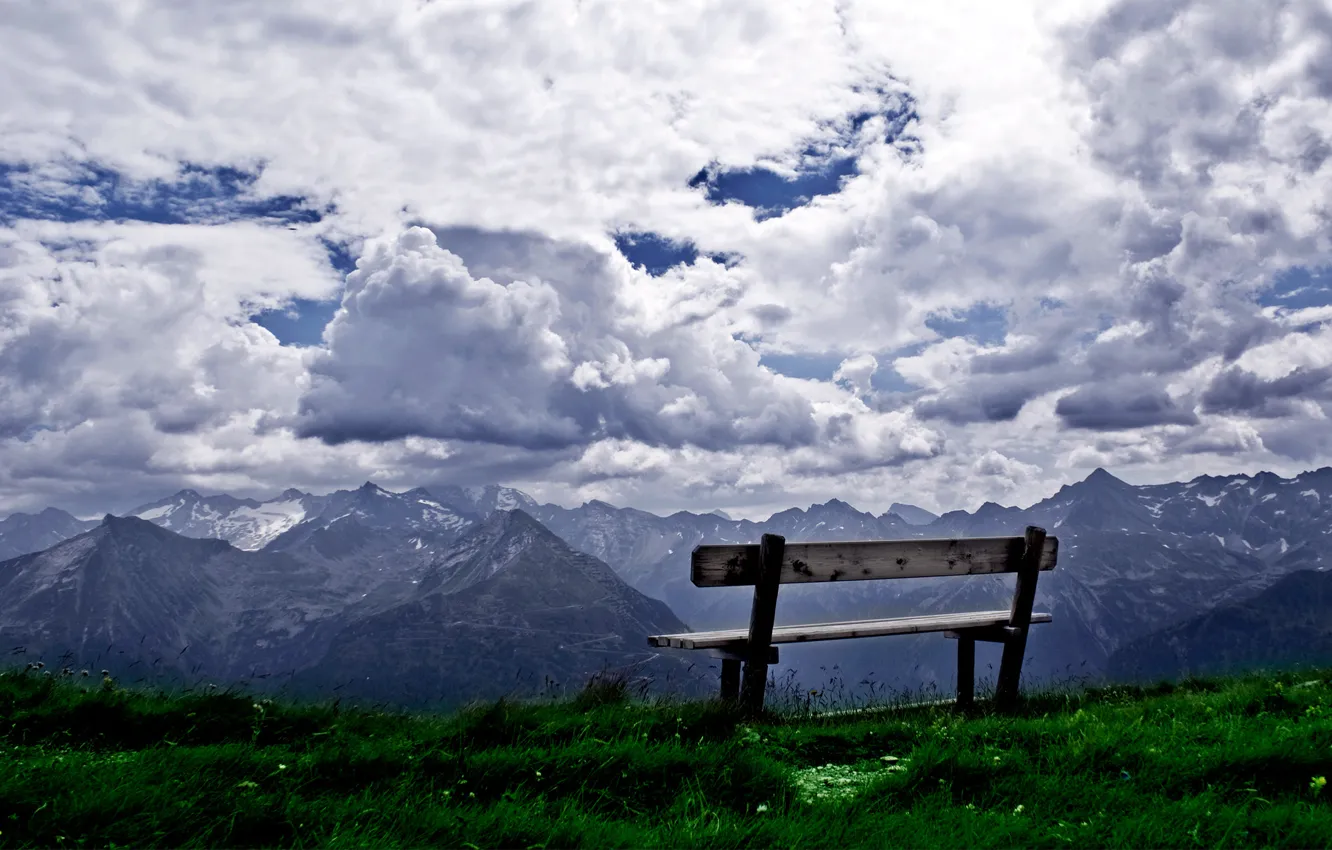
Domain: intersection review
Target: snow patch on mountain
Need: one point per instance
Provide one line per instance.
(157, 513)
(252, 528)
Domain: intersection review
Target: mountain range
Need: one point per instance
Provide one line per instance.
(1284, 627)
(1135, 561)
(435, 618)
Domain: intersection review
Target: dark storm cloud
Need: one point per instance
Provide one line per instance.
(1121, 404)
(1237, 390)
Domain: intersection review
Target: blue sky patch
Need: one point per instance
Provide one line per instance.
(1299, 287)
(658, 254)
(302, 323)
(983, 323)
(339, 256)
(824, 165)
(198, 195)
(92, 192)
(822, 367)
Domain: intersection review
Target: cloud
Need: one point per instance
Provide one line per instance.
(103, 319)
(1237, 390)
(560, 344)
(1128, 402)
(1101, 248)
(857, 372)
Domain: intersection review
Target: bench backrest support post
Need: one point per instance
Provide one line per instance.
(1010, 665)
(772, 549)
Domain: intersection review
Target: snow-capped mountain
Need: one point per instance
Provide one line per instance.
(137, 599)
(244, 523)
(1133, 559)
(129, 594)
(24, 533)
(250, 524)
(482, 501)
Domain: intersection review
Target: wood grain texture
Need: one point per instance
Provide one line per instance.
(863, 560)
(1010, 663)
(762, 615)
(838, 631)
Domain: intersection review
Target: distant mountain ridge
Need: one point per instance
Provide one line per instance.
(135, 598)
(1133, 559)
(23, 533)
(1287, 625)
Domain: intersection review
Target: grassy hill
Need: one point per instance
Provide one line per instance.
(1220, 762)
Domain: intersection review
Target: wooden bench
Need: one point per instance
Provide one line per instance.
(773, 562)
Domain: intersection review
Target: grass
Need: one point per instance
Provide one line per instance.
(1236, 761)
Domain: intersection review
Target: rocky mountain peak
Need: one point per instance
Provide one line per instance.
(1101, 478)
(911, 514)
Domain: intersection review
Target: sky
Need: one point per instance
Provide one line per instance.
(693, 254)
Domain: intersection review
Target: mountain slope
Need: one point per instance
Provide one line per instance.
(24, 533)
(130, 592)
(510, 607)
(912, 514)
(1287, 625)
(124, 583)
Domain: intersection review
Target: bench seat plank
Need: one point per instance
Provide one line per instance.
(732, 565)
(837, 631)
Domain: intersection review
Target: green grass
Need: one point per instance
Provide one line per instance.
(1206, 763)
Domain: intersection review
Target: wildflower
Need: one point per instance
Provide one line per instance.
(106, 672)
(1317, 784)
(762, 807)
(282, 767)
(1018, 810)
(83, 673)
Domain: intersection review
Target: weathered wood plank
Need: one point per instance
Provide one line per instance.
(761, 618)
(1010, 663)
(991, 634)
(863, 560)
(737, 651)
(850, 629)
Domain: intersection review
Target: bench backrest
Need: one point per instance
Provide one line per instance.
(738, 565)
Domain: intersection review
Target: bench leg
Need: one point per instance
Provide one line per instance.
(1010, 670)
(1010, 666)
(966, 670)
(764, 611)
(730, 678)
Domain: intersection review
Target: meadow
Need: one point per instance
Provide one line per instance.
(1236, 761)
